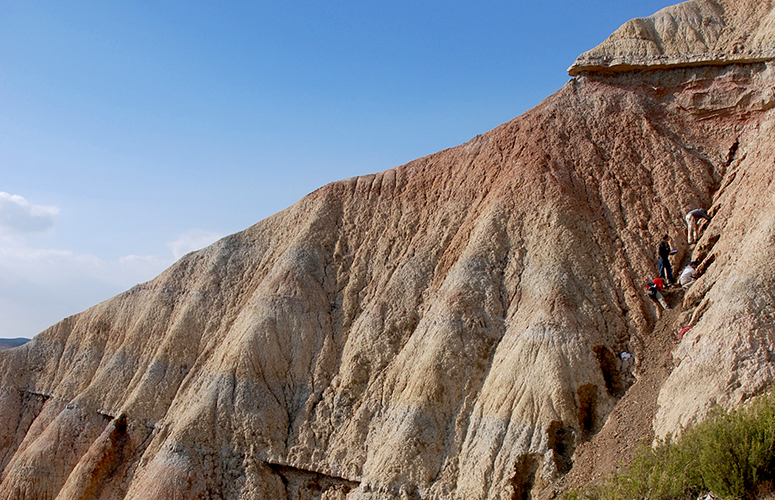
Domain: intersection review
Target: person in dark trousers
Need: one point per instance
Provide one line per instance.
(664, 251)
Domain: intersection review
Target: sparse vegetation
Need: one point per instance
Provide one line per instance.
(731, 453)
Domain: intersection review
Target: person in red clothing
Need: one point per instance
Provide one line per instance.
(653, 290)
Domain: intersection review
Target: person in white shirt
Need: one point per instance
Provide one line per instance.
(687, 275)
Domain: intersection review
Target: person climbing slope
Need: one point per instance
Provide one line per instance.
(664, 251)
(692, 218)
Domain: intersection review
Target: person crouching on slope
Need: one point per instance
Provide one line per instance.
(687, 275)
(653, 291)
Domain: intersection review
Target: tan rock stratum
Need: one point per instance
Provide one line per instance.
(447, 329)
(694, 33)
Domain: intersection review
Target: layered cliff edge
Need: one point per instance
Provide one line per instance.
(450, 328)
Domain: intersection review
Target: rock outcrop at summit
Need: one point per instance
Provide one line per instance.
(694, 33)
(450, 328)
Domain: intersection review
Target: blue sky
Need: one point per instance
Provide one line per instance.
(132, 132)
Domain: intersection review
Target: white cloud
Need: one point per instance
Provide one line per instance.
(192, 240)
(19, 216)
(53, 266)
(39, 287)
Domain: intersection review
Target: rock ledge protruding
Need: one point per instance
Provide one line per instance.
(693, 33)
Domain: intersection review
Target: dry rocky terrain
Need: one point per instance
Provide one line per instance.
(451, 328)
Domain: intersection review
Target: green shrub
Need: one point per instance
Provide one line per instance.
(737, 449)
(729, 453)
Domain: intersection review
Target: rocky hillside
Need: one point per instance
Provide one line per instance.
(450, 328)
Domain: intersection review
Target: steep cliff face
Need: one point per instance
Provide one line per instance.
(450, 328)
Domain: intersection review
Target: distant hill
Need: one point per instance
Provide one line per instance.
(8, 343)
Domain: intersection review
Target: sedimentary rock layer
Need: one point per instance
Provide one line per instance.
(693, 33)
